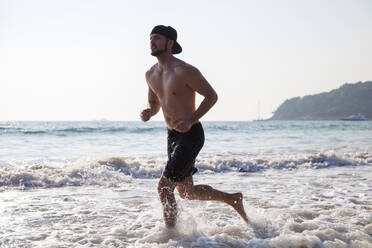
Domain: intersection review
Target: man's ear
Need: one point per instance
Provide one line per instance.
(170, 44)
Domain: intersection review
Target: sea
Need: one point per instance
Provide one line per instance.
(94, 184)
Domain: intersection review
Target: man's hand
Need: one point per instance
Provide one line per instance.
(183, 125)
(145, 114)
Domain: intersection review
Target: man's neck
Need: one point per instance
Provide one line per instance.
(164, 60)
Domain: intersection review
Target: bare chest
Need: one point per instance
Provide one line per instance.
(167, 87)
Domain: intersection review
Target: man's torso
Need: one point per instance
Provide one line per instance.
(176, 98)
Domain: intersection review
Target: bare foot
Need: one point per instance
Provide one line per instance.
(237, 204)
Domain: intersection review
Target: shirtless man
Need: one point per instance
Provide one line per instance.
(172, 85)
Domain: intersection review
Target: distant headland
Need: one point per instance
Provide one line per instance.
(349, 99)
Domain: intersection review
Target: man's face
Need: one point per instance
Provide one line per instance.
(158, 44)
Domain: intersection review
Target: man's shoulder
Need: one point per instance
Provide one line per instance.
(150, 71)
(152, 68)
(185, 68)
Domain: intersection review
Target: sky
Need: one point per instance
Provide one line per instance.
(86, 60)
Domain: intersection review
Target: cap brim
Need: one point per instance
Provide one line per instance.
(176, 48)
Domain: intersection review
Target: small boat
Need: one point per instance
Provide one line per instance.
(259, 118)
(357, 117)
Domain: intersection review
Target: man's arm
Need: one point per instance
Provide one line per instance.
(153, 105)
(153, 102)
(196, 81)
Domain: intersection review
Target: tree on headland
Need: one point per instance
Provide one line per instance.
(347, 100)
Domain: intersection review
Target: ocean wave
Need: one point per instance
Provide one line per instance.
(71, 128)
(110, 173)
(78, 130)
(40, 130)
(113, 172)
(316, 161)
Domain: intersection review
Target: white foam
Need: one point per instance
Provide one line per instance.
(286, 209)
(113, 172)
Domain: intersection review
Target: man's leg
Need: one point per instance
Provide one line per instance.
(166, 194)
(188, 190)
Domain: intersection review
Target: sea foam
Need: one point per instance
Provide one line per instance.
(113, 172)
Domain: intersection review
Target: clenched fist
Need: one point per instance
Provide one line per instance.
(145, 115)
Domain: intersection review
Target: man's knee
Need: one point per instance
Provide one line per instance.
(165, 187)
(182, 193)
(186, 192)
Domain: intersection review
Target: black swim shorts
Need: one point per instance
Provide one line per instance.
(182, 151)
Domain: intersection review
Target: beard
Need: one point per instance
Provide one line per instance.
(158, 52)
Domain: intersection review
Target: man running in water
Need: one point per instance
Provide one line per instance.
(172, 85)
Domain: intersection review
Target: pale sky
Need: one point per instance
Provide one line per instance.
(85, 60)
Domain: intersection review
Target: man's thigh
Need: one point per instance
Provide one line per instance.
(185, 186)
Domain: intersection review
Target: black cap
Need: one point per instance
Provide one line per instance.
(170, 33)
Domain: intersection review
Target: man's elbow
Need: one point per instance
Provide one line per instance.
(214, 98)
